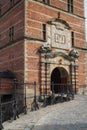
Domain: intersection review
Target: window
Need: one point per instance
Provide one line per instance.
(72, 38)
(70, 6)
(12, 2)
(46, 1)
(7, 97)
(11, 33)
(0, 9)
(44, 31)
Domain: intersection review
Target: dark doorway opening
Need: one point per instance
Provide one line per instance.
(59, 79)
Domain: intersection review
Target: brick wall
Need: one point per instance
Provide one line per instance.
(12, 58)
(13, 17)
(21, 56)
(78, 6)
(32, 62)
(6, 5)
(38, 13)
(81, 68)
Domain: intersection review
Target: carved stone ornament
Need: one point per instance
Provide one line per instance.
(45, 48)
(70, 57)
(60, 21)
(59, 34)
(74, 53)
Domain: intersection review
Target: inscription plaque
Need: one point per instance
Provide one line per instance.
(59, 36)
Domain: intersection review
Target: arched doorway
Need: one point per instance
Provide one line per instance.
(59, 78)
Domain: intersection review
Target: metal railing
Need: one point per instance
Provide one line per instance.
(10, 110)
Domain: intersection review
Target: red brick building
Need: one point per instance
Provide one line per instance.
(37, 39)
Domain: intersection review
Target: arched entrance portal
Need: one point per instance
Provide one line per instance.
(59, 78)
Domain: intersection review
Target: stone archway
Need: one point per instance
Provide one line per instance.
(59, 77)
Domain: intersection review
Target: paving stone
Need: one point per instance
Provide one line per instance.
(70, 115)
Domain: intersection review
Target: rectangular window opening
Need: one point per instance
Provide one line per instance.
(0, 9)
(46, 1)
(72, 38)
(12, 2)
(70, 6)
(11, 33)
(44, 31)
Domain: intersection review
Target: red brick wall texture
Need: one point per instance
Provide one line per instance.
(21, 55)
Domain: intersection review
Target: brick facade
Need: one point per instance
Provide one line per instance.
(21, 36)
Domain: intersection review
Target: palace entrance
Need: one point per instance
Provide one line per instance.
(59, 79)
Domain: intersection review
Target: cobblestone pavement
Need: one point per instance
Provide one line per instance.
(70, 115)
